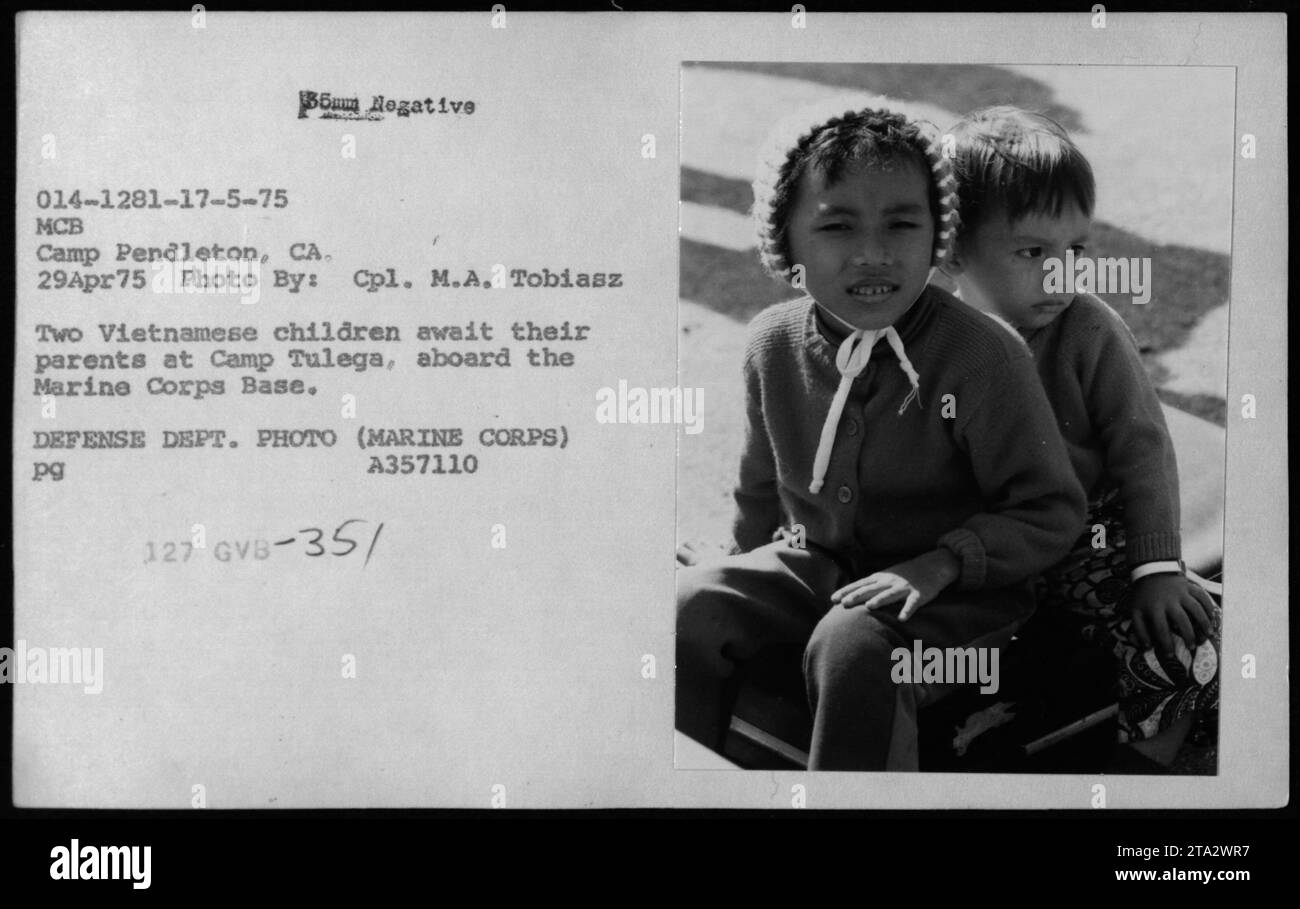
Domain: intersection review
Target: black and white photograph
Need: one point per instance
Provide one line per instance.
(650, 413)
(1072, 205)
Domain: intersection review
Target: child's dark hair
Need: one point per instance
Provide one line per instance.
(870, 137)
(1019, 163)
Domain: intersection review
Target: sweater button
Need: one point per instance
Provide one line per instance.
(845, 494)
(852, 428)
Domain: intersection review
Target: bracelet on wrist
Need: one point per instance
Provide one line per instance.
(1163, 567)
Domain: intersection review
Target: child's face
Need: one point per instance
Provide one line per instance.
(865, 242)
(999, 264)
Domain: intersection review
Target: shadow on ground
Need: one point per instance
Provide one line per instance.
(955, 87)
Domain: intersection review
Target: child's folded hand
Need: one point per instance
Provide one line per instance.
(1168, 604)
(914, 583)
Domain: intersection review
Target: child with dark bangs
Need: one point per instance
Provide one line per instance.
(1027, 196)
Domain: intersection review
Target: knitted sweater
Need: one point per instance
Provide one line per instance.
(1113, 424)
(975, 464)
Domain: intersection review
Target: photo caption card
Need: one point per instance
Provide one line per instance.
(370, 368)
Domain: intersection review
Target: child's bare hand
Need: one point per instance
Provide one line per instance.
(881, 589)
(1168, 604)
(913, 583)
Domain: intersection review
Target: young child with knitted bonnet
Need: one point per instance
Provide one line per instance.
(903, 437)
(1027, 195)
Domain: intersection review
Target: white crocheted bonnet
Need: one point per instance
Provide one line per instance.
(786, 149)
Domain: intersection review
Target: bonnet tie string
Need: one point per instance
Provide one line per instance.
(851, 359)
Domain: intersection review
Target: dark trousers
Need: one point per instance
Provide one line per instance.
(862, 719)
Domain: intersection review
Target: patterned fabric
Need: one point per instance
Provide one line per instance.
(1089, 589)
